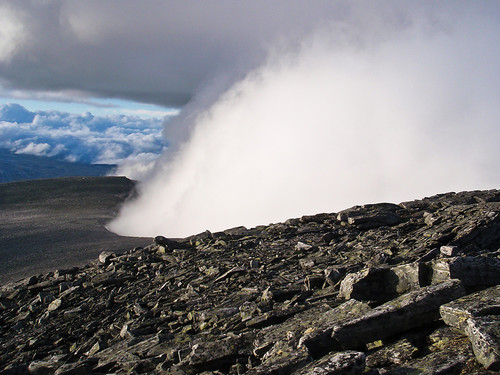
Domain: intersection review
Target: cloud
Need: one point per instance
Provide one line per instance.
(12, 32)
(368, 112)
(39, 149)
(288, 107)
(81, 138)
(155, 51)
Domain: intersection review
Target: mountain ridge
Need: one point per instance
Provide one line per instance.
(21, 167)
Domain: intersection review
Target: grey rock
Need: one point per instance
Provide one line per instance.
(47, 366)
(105, 257)
(449, 251)
(485, 302)
(199, 306)
(341, 363)
(54, 305)
(212, 354)
(395, 354)
(484, 334)
(472, 271)
(45, 298)
(451, 359)
(408, 311)
(318, 337)
(289, 331)
(371, 216)
(381, 284)
(83, 367)
(282, 359)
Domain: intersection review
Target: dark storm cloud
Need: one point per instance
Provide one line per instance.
(155, 50)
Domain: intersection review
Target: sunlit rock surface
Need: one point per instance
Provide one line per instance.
(367, 290)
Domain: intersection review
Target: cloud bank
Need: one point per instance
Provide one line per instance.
(288, 107)
(115, 139)
(154, 51)
(389, 107)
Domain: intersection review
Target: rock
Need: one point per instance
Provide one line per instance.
(408, 311)
(54, 305)
(314, 282)
(449, 251)
(289, 331)
(272, 299)
(105, 257)
(231, 272)
(382, 284)
(367, 284)
(472, 271)
(170, 243)
(301, 246)
(46, 367)
(83, 367)
(485, 302)
(45, 298)
(237, 232)
(318, 337)
(445, 337)
(213, 354)
(484, 334)
(332, 276)
(342, 363)
(281, 359)
(396, 354)
(451, 360)
(371, 216)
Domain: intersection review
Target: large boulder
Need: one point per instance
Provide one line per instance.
(408, 311)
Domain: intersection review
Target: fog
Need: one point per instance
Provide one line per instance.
(377, 107)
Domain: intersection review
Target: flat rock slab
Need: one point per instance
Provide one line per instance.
(408, 311)
(318, 338)
(212, 353)
(485, 302)
(472, 271)
(282, 359)
(451, 360)
(395, 354)
(484, 334)
(341, 363)
(381, 284)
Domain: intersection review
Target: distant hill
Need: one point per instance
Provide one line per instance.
(19, 167)
(50, 224)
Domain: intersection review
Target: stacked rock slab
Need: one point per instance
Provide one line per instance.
(478, 316)
(369, 290)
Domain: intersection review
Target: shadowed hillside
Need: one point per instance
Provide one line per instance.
(47, 224)
(18, 167)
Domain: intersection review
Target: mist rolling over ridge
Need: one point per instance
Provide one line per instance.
(382, 106)
(261, 111)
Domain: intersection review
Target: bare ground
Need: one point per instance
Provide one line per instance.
(59, 223)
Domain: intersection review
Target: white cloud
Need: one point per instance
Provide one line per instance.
(137, 167)
(13, 32)
(39, 149)
(79, 138)
(365, 116)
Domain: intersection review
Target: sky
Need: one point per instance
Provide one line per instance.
(255, 112)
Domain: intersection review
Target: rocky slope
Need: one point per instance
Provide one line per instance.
(380, 289)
